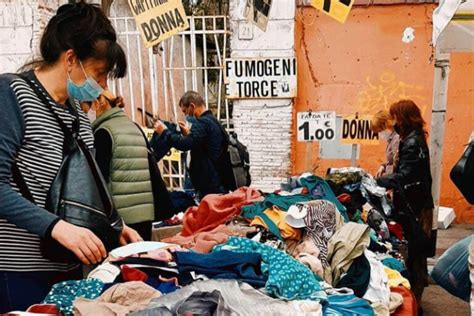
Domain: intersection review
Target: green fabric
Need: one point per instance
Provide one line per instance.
(129, 180)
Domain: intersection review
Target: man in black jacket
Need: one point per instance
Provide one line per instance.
(206, 141)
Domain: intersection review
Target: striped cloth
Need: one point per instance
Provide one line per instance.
(38, 159)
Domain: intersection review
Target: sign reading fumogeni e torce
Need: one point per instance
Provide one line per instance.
(272, 77)
(158, 20)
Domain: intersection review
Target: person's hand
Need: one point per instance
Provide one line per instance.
(160, 127)
(81, 241)
(129, 235)
(380, 172)
(184, 127)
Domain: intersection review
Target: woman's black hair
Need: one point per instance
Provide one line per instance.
(86, 29)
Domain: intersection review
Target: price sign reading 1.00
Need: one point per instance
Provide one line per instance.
(316, 126)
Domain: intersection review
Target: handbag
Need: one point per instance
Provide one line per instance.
(163, 205)
(462, 174)
(78, 193)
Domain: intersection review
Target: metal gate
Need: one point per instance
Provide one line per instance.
(157, 77)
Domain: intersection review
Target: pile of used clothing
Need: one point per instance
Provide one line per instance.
(316, 246)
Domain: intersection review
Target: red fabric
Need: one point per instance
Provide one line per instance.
(344, 198)
(395, 229)
(216, 209)
(131, 274)
(204, 241)
(409, 306)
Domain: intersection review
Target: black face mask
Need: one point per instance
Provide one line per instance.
(396, 128)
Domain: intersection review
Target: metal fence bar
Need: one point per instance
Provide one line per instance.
(185, 75)
(130, 79)
(142, 80)
(173, 94)
(165, 78)
(193, 52)
(206, 82)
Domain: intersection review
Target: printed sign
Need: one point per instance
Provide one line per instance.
(257, 11)
(315, 126)
(158, 20)
(337, 9)
(356, 130)
(273, 77)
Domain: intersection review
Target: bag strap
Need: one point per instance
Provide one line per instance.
(66, 130)
(21, 183)
(144, 136)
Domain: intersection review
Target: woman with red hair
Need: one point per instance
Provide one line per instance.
(411, 182)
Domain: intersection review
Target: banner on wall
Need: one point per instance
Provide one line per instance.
(337, 9)
(272, 77)
(158, 20)
(316, 126)
(356, 130)
(257, 11)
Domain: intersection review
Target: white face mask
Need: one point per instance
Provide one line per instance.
(92, 115)
(385, 134)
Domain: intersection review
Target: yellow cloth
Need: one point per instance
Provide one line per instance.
(278, 217)
(396, 279)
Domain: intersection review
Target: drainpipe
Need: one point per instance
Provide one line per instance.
(438, 117)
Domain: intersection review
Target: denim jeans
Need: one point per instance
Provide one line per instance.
(20, 290)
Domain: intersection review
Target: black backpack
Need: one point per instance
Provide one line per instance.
(235, 169)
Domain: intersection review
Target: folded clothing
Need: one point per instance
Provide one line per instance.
(224, 264)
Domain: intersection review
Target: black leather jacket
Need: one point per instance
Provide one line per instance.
(411, 179)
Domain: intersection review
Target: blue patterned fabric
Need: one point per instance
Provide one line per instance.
(287, 278)
(347, 305)
(64, 293)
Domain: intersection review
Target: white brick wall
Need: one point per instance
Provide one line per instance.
(264, 126)
(21, 26)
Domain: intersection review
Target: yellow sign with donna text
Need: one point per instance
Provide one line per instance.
(337, 9)
(158, 20)
(356, 129)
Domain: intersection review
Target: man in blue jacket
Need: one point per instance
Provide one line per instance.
(206, 141)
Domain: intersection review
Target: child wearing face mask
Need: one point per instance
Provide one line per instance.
(383, 125)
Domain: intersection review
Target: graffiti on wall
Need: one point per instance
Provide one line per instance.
(380, 92)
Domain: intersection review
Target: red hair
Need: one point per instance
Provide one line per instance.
(407, 116)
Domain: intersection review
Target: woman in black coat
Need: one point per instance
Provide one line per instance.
(411, 182)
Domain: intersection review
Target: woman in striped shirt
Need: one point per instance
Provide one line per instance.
(79, 51)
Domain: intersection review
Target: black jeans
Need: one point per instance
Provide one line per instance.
(20, 290)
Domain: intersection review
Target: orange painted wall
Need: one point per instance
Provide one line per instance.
(364, 66)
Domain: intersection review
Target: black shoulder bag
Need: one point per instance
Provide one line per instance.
(462, 174)
(161, 197)
(78, 193)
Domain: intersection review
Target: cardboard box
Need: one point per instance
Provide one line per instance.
(158, 234)
(446, 216)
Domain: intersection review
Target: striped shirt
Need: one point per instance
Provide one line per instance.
(38, 159)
